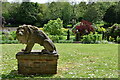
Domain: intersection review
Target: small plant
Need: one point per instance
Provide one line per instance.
(13, 34)
(101, 29)
(118, 39)
(111, 39)
(92, 38)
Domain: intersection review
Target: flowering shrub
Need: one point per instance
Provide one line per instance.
(84, 27)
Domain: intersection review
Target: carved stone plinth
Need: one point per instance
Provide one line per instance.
(37, 63)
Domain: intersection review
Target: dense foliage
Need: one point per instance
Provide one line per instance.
(8, 38)
(56, 15)
(84, 27)
(113, 32)
(54, 27)
(40, 14)
(92, 38)
(112, 14)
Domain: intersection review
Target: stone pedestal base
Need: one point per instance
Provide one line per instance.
(37, 63)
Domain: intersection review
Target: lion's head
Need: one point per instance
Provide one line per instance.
(23, 33)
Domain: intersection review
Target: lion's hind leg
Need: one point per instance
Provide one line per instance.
(48, 45)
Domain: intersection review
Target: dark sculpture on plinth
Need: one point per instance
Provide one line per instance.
(28, 34)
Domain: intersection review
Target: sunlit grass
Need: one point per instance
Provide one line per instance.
(75, 61)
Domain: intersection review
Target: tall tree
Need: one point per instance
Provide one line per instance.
(110, 15)
(9, 11)
(91, 13)
(27, 13)
(66, 13)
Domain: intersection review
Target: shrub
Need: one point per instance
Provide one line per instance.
(8, 38)
(113, 31)
(101, 29)
(92, 38)
(84, 27)
(9, 42)
(118, 39)
(111, 39)
(65, 41)
(53, 27)
(54, 38)
(13, 34)
(4, 37)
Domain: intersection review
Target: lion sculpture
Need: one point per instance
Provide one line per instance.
(28, 34)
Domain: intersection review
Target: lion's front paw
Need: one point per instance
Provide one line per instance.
(22, 49)
(25, 52)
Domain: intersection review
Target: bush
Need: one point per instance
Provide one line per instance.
(13, 34)
(54, 38)
(65, 41)
(8, 38)
(92, 38)
(53, 27)
(84, 27)
(101, 29)
(111, 39)
(118, 39)
(113, 31)
(9, 42)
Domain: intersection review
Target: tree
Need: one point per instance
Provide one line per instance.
(66, 13)
(92, 13)
(110, 15)
(27, 13)
(9, 11)
(80, 10)
(54, 8)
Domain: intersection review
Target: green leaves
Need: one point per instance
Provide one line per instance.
(92, 38)
(54, 27)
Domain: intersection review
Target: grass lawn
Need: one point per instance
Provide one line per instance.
(75, 61)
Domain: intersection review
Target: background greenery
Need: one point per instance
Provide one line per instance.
(39, 14)
(55, 17)
(75, 61)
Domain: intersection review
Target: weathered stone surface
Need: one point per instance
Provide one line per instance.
(37, 63)
(28, 34)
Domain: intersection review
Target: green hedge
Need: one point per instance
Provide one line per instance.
(9, 42)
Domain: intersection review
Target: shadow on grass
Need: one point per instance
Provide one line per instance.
(14, 74)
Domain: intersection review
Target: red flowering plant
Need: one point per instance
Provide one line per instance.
(83, 28)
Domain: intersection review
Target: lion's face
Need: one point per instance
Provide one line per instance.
(22, 35)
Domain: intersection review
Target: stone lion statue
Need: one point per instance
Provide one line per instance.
(28, 34)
